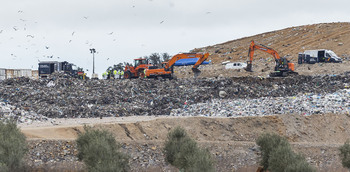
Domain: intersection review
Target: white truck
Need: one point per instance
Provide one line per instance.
(315, 56)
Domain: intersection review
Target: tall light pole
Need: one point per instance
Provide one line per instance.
(94, 76)
(93, 51)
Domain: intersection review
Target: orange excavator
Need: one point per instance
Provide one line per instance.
(168, 69)
(283, 67)
(137, 70)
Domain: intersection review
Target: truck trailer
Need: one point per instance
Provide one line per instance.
(316, 56)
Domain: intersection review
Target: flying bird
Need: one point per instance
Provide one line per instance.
(30, 36)
(70, 41)
(20, 11)
(1, 31)
(86, 17)
(208, 12)
(110, 33)
(107, 58)
(161, 22)
(15, 28)
(73, 33)
(47, 47)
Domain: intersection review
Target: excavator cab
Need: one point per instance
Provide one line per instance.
(140, 62)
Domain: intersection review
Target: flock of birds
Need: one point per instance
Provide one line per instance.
(34, 42)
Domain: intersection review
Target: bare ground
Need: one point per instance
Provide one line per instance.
(230, 140)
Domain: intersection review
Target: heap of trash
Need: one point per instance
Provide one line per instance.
(64, 97)
(302, 104)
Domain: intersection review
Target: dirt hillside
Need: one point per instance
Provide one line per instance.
(287, 42)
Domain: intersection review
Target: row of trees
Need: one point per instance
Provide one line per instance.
(99, 151)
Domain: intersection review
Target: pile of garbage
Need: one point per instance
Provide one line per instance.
(9, 112)
(64, 97)
(302, 104)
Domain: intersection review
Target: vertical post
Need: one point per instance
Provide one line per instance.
(93, 51)
(93, 62)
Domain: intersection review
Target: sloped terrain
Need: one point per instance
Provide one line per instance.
(287, 42)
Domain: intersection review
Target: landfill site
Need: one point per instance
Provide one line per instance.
(224, 109)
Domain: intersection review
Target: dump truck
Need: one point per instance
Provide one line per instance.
(46, 68)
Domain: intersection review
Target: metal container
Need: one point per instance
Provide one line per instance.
(35, 74)
(2, 74)
(25, 73)
(10, 73)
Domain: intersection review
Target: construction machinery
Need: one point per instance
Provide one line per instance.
(283, 66)
(137, 71)
(168, 68)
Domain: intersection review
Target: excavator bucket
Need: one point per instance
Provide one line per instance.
(249, 68)
(196, 72)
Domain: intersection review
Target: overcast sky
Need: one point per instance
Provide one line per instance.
(121, 30)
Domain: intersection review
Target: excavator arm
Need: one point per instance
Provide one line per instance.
(168, 68)
(201, 59)
(253, 46)
(283, 66)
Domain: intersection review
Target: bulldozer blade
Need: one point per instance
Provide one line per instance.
(196, 72)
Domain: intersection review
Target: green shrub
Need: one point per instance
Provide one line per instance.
(284, 159)
(345, 154)
(299, 165)
(13, 147)
(182, 152)
(100, 152)
(277, 155)
(269, 142)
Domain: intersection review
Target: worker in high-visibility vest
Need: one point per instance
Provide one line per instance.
(121, 75)
(115, 74)
(144, 71)
(104, 75)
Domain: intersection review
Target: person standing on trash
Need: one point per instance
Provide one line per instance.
(104, 75)
(144, 72)
(115, 74)
(109, 74)
(121, 74)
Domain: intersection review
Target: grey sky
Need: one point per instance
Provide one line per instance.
(121, 30)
